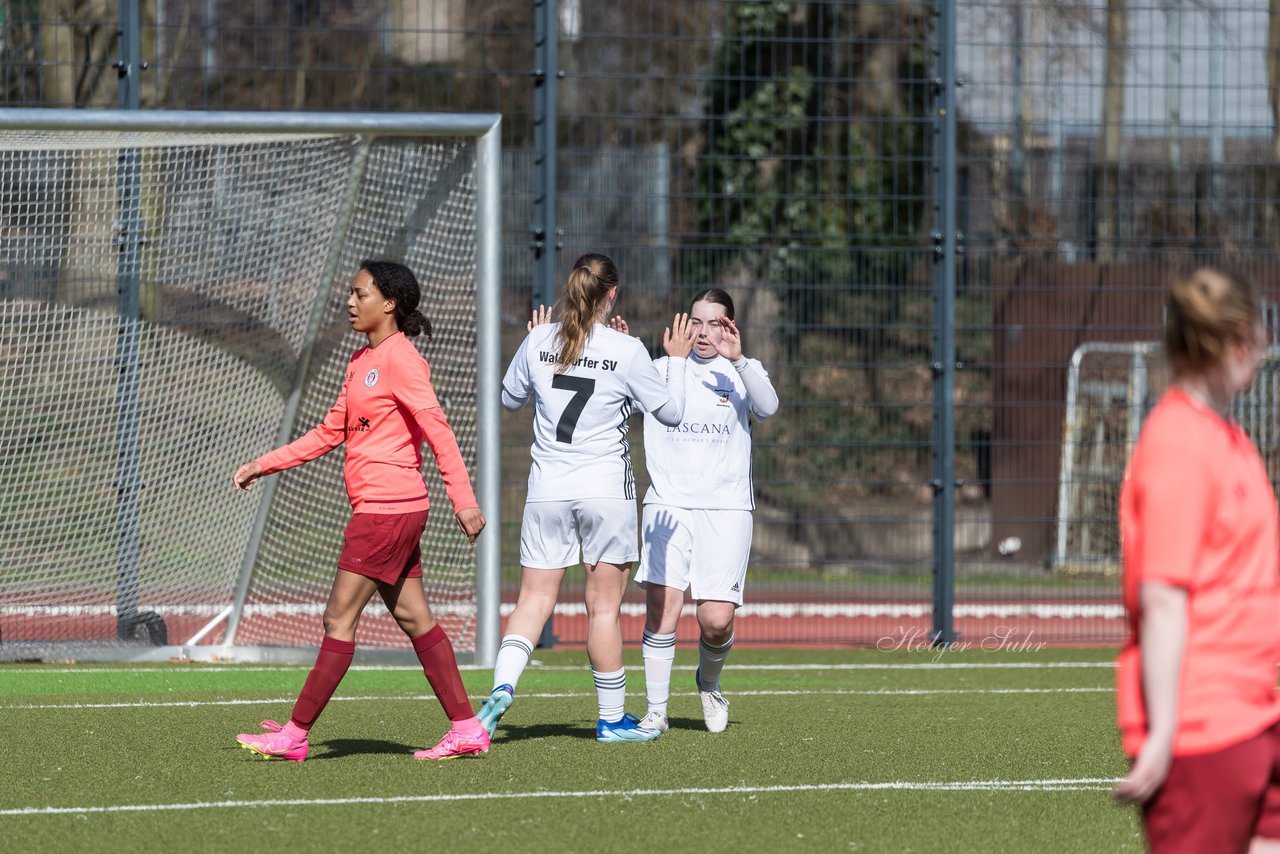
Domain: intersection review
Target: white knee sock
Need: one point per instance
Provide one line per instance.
(513, 655)
(711, 662)
(611, 692)
(659, 655)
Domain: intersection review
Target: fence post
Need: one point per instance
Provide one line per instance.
(546, 75)
(545, 232)
(945, 247)
(128, 344)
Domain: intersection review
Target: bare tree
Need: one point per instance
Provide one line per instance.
(75, 38)
(1107, 158)
(1273, 75)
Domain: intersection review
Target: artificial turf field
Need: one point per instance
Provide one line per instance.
(826, 750)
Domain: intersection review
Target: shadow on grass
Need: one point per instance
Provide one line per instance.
(515, 732)
(695, 724)
(568, 730)
(336, 748)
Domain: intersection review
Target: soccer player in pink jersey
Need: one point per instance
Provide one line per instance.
(385, 410)
(1196, 692)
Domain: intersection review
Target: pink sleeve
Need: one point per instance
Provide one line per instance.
(318, 441)
(415, 393)
(1173, 505)
(453, 471)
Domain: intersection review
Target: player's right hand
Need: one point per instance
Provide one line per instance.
(246, 475)
(540, 316)
(677, 339)
(617, 324)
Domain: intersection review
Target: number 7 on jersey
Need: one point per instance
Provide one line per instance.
(582, 388)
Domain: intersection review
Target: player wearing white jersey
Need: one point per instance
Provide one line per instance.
(583, 377)
(697, 512)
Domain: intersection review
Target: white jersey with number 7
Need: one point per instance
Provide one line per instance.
(580, 447)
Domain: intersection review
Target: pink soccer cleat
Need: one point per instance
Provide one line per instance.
(274, 744)
(456, 744)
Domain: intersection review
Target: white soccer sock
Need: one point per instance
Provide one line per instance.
(611, 693)
(659, 655)
(513, 655)
(711, 662)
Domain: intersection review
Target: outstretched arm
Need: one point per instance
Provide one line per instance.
(316, 442)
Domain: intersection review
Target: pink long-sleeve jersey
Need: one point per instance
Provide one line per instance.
(386, 408)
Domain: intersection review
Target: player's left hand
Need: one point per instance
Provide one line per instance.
(470, 522)
(541, 315)
(730, 344)
(1150, 768)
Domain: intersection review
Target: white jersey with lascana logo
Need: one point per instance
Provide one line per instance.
(580, 447)
(704, 463)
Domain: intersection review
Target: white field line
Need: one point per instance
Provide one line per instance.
(785, 610)
(844, 692)
(535, 667)
(1063, 785)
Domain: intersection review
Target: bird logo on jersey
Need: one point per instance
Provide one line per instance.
(371, 378)
(722, 395)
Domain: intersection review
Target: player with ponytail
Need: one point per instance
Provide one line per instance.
(1197, 704)
(386, 408)
(582, 377)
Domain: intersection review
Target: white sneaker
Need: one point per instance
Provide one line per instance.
(655, 721)
(715, 708)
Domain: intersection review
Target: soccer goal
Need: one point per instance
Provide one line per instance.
(1111, 388)
(172, 289)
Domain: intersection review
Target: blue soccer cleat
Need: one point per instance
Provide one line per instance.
(495, 707)
(625, 728)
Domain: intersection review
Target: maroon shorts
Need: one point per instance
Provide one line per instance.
(384, 546)
(1218, 801)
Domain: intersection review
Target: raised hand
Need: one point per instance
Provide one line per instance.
(617, 324)
(540, 315)
(730, 344)
(677, 339)
(471, 522)
(246, 475)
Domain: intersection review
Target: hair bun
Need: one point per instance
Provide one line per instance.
(1205, 312)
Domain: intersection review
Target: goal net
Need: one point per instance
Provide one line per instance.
(172, 304)
(1111, 388)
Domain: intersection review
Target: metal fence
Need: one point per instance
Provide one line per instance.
(923, 210)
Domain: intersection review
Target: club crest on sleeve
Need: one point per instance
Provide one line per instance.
(371, 378)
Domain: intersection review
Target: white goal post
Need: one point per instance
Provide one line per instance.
(172, 290)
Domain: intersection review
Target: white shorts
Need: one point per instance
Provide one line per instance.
(702, 551)
(552, 531)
